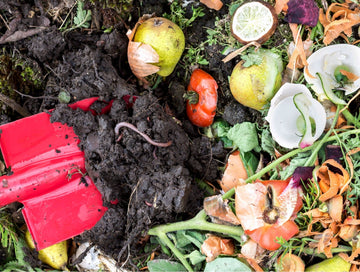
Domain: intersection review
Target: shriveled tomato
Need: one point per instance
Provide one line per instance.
(201, 98)
(266, 210)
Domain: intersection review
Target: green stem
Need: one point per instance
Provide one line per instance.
(197, 223)
(313, 251)
(192, 97)
(311, 160)
(350, 118)
(165, 240)
(269, 167)
(288, 155)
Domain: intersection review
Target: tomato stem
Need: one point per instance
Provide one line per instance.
(192, 97)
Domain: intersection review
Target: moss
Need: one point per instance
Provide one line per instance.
(20, 74)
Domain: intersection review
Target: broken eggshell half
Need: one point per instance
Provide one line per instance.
(322, 65)
(292, 116)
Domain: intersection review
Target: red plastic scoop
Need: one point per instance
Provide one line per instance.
(48, 178)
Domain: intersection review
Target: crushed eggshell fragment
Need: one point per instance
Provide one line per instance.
(284, 115)
(320, 74)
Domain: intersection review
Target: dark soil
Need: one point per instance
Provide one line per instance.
(142, 185)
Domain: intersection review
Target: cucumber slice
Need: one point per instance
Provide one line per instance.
(302, 104)
(329, 92)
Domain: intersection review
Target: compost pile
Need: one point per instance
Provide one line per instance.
(142, 185)
(278, 156)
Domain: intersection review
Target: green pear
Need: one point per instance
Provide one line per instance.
(166, 38)
(254, 82)
(335, 264)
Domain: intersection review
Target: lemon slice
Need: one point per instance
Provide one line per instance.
(254, 21)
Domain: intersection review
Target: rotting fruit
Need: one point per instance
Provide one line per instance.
(56, 255)
(255, 85)
(166, 38)
(201, 98)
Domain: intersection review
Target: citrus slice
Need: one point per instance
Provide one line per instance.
(254, 21)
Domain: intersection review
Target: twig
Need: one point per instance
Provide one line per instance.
(15, 106)
(35, 97)
(67, 15)
(240, 50)
(147, 138)
(6, 24)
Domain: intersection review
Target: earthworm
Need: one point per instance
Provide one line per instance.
(147, 138)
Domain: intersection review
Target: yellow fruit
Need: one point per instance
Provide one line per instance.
(254, 86)
(56, 255)
(166, 38)
(335, 264)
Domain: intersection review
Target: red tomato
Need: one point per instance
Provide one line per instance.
(201, 112)
(266, 236)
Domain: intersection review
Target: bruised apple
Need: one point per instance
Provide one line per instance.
(166, 38)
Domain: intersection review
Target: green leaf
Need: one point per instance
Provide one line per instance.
(251, 162)
(184, 238)
(244, 136)
(164, 266)
(196, 257)
(299, 160)
(252, 59)
(267, 142)
(226, 264)
(83, 17)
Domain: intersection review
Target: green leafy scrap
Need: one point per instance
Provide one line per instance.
(83, 17)
(296, 161)
(267, 142)
(244, 136)
(162, 265)
(227, 264)
(251, 59)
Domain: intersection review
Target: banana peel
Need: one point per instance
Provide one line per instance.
(56, 255)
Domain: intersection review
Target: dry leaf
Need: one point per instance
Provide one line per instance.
(213, 4)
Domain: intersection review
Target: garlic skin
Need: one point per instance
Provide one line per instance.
(283, 115)
(324, 62)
